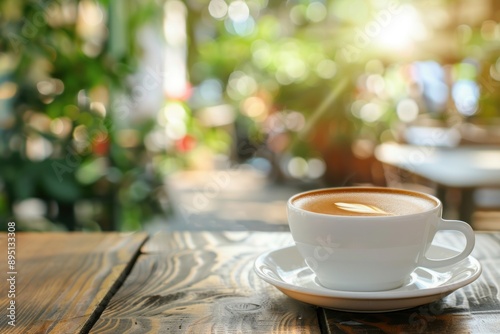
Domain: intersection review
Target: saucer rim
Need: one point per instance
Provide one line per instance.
(394, 294)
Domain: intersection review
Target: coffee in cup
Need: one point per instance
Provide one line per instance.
(369, 238)
(364, 202)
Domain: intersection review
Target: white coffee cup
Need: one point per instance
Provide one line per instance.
(369, 238)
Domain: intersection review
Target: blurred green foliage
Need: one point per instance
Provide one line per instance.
(312, 79)
(62, 65)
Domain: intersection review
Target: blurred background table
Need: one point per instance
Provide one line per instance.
(466, 169)
(199, 282)
(238, 199)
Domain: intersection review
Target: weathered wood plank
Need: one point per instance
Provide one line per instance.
(201, 283)
(474, 308)
(64, 278)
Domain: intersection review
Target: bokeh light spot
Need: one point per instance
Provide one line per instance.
(371, 112)
(316, 12)
(175, 130)
(316, 168)
(297, 167)
(466, 96)
(407, 110)
(217, 9)
(238, 11)
(254, 107)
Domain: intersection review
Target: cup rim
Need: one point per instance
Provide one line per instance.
(418, 193)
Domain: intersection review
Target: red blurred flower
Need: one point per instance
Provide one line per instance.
(100, 144)
(186, 143)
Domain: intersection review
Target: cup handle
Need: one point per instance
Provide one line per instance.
(452, 225)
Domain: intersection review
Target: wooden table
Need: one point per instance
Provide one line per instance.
(203, 282)
(464, 168)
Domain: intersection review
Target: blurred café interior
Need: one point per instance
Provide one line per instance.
(209, 114)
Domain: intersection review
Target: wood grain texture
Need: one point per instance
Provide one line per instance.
(204, 283)
(64, 278)
(474, 308)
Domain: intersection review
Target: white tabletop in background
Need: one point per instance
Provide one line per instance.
(460, 167)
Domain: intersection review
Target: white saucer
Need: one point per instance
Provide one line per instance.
(286, 270)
